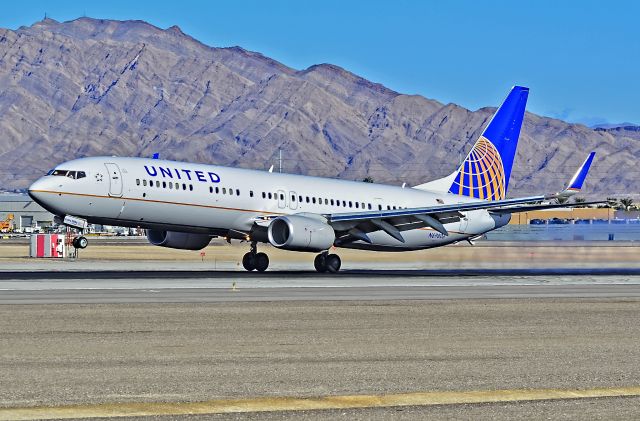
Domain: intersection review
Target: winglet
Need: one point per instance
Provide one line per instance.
(575, 185)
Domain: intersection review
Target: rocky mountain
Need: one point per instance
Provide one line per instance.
(94, 87)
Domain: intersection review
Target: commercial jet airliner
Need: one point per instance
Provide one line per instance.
(183, 205)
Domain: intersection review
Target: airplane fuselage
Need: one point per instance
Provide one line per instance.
(225, 201)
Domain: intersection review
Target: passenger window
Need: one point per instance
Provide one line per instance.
(307, 199)
(137, 181)
(170, 185)
(369, 206)
(237, 192)
(184, 186)
(270, 196)
(281, 196)
(250, 193)
(230, 192)
(210, 189)
(344, 203)
(217, 190)
(157, 183)
(144, 183)
(362, 206)
(379, 207)
(350, 204)
(331, 202)
(164, 184)
(357, 205)
(293, 198)
(224, 190)
(388, 207)
(264, 196)
(300, 199)
(191, 187)
(313, 199)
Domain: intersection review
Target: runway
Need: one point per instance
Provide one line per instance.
(112, 287)
(461, 359)
(365, 344)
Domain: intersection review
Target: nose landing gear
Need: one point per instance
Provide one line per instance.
(325, 262)
(254, 260)
(80, 242)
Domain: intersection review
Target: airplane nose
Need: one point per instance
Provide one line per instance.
(37, 191)
(36, 188)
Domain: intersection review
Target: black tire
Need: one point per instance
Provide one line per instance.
(249, 261)
(262, 262)
(320, 263)
(82, 242)
(75, 243)
(333, 263)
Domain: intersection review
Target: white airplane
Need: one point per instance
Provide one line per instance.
(183, 205)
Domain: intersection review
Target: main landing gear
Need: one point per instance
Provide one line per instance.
(325, 262)
(254, 260)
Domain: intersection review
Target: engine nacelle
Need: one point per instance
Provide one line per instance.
(301, 233)
(178, 240)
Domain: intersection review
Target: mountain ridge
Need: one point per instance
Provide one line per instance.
(102, 87)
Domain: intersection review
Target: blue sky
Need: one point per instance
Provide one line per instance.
(581, 59)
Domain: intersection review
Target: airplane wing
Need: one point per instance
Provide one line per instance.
(356, 225)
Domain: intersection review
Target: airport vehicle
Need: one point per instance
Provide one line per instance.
(7, 224)
(182, 205)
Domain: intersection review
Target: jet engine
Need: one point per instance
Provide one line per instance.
(301, 233)
(178, 240)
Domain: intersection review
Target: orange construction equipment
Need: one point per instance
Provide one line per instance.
(7, 224)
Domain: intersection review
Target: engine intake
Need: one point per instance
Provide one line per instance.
(178, 240)
(301, 233)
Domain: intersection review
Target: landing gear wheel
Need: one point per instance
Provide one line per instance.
(261, 262)
(320, 263)
(333, 263)
(80, 242)
(249, 261)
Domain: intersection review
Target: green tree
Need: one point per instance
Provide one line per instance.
(578, 201)
(626, 203)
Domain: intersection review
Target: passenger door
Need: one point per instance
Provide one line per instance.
(293, 200)
(115, 179)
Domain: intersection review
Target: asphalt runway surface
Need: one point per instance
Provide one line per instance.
(111, 286)
(284, 341)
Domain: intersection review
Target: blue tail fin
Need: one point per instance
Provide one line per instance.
(485, 172)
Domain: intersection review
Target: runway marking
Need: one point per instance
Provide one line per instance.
(263, 404)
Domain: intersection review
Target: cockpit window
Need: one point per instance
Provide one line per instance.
(66, 173)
